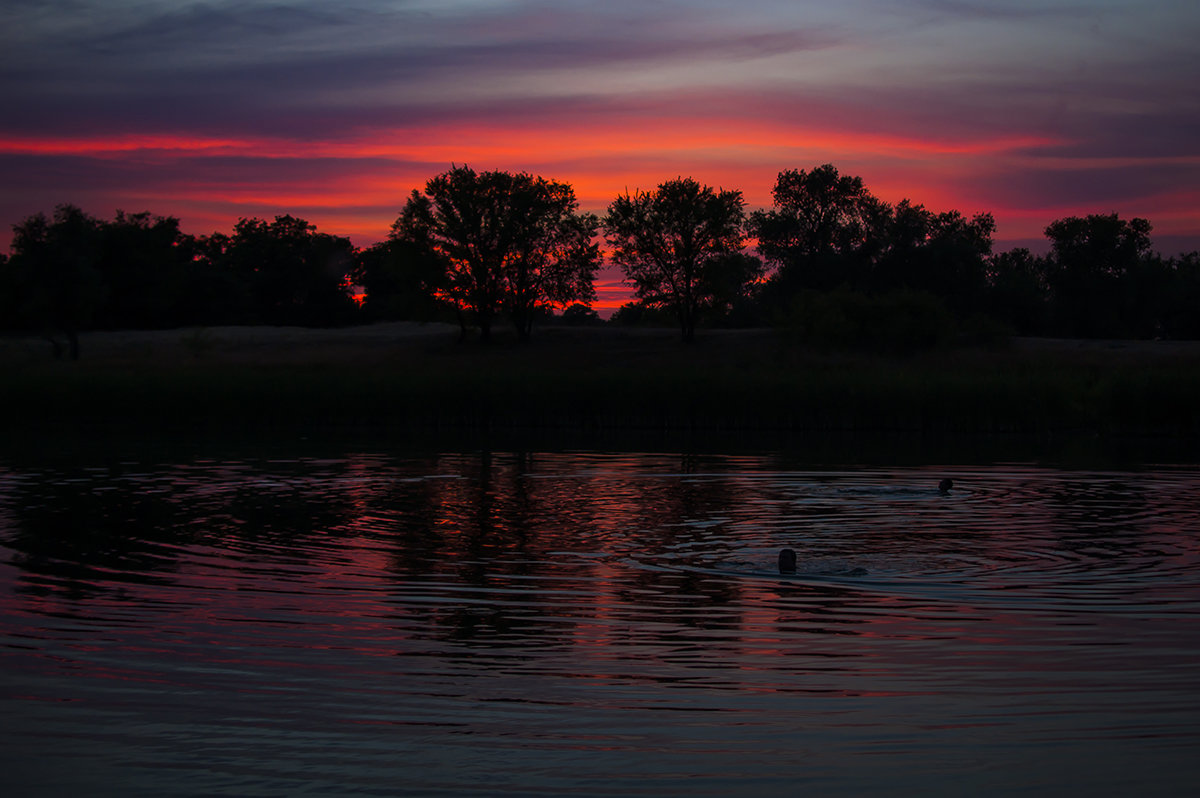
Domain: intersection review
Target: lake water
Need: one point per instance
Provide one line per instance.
(596, 624)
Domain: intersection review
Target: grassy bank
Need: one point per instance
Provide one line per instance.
(599, 380)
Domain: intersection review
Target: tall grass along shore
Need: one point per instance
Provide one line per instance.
(570, 379)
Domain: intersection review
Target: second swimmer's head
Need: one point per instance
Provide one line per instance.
(787, 561)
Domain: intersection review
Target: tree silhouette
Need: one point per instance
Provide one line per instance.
(54, 273)
(495, 244)
(1092, 262)
(580, 315)
(673, 242)
(824, 230)
(137, 271)
(8, 302)
(401, 279)
(1181, 297)
(1018, 293)
(557, 256)
(942, 253)
(638, 314)
(147, 264)
(506, 241)
(731, 287)
(292, 273)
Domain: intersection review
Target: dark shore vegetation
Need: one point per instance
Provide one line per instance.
(573, 381)
(850, 316)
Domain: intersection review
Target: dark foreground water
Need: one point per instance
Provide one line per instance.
(596, 624)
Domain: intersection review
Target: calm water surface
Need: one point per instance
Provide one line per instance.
(596, 624)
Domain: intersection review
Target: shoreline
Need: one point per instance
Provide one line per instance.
(413, 379)
(303, 344)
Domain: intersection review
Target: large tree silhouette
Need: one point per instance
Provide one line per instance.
(54, 275)
(556, 254)
(149, 268)
(1093, 263)
(291, 273)
(506, 241)
(824, 230)
(136, 271)
(675, 245)
(944, 254)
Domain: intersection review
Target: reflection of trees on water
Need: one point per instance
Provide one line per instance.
(493, 549)
(532, 540)
(75, 535)
(478, 531)
(90, 532)
(282, 511)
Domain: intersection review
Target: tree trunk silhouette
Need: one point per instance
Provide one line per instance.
(462, 324)
(524, 325)
(56, 347)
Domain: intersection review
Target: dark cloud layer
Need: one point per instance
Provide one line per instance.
(273, 70)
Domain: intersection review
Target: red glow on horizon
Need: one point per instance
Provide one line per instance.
(599, 163)
(381, 167)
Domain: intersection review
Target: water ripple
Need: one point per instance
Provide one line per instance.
(556, 610)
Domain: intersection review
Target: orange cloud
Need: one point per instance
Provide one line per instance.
(100, 146)
(725, 139)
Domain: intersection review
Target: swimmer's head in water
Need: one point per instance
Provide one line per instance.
(787, 561)
(945, 485)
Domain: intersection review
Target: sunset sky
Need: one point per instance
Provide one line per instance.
(1029, 109)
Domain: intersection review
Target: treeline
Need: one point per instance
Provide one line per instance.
(829, 262)
(73, 272)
